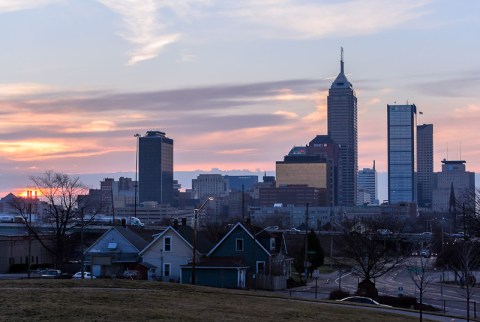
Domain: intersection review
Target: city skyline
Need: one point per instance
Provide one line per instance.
(233, 84)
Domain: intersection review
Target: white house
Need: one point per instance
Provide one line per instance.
(172, 248)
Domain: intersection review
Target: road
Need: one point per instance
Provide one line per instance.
(449, 297)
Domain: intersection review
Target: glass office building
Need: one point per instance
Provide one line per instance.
(402, 126)
(155, 168)
(424, 165)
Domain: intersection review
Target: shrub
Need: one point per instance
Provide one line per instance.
(338, 294)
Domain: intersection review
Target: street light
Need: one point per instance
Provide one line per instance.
(29, 267)
(195, 215)
(136, 135)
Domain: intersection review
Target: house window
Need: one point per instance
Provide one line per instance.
(112, 246)
(260, 267)
(239, 244)
(167, 244)
(272, 244)
(166, 270)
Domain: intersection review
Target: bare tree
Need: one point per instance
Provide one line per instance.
(468, 261)
(60, 192)
(422, 277)
(375, 251)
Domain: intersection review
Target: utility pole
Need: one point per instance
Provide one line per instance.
(306, 245)
(81, 243)
(29, 268)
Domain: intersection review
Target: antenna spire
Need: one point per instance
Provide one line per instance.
(341, 60)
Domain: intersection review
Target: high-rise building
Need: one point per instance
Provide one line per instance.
(454, 179)
(424, 165)
(342, 129)
(155, 168)
(297, 168)
(367, 184)
(208, 185)
(326, 148)
(402, 130)
(240, 183)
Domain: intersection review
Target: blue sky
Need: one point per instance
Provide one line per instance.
(236, 84)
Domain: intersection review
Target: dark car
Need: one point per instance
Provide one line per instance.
(54, 273)
(50, 273)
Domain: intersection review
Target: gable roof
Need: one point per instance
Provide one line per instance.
(135, 240)
(185, 233)
(240, 225)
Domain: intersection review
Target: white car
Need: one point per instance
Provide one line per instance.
(85, 275)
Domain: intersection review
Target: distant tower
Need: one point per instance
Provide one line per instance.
(454, 186)
(367, 183)
(342, 129)
(155, 168)
(424, 165)
(402, 126)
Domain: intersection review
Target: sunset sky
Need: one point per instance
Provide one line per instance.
(236, 84)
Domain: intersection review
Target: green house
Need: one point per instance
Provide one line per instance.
(247, 256)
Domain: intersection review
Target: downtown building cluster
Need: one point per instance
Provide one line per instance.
(321, 177)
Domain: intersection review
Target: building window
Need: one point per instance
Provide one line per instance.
(260, 267)
(167, 244)
(239, 244)
(166, 270)
(272, 244)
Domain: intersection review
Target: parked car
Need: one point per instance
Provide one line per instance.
(85, 275)
(360, 299)
(50, 273)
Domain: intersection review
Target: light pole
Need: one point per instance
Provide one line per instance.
(29, 268)
(136, 135)
(194, 256)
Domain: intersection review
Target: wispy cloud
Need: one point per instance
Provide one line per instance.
(17, 5)
(23, 89)
(95, 123)
(313, 19)
(143, 28)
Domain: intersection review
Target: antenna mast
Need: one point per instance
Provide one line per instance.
(341, 60)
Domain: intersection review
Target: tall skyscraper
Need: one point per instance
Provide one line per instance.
(342, 129)
(155, 168)
(424, 165)
(402, 130)
(367, 183)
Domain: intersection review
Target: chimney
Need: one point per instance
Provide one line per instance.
(175, 224)
(124, 222)
(184, 221)
(249, 220)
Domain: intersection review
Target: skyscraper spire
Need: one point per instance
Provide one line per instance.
(341, 60)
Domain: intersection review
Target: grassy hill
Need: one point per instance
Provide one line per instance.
(125, 300)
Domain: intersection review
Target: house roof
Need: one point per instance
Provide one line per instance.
(241, 226)
(133, 238)
(203, 245)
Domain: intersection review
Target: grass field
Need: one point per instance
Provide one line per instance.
(125, 300)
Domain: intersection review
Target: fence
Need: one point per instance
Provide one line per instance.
(271, 282)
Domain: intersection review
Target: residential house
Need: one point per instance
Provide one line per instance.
(245, 256)
(173, 248)
(117, 251)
